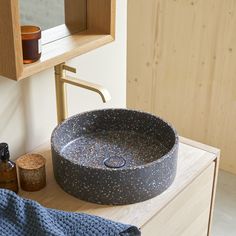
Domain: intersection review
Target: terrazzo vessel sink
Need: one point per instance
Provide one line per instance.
(114, 156)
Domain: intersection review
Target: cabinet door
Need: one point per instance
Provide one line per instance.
(188, 214)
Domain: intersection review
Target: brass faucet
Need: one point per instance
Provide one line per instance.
(61, 79)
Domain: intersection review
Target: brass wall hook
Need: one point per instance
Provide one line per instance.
(61, 79)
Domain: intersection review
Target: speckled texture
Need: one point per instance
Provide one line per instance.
(114, 156)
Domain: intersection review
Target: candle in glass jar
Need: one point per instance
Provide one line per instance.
(31, 43)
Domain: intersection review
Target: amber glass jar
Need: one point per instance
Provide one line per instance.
(8, 174)
(31, 43)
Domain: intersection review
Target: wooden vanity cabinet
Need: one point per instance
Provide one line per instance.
(188, 214)
(184, 209)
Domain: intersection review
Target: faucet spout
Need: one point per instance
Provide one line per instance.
(105, 95)
(61, 79)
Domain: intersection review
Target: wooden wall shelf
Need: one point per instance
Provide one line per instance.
(100, 30)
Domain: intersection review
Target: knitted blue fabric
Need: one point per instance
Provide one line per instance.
(22, 217)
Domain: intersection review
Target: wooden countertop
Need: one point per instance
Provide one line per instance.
(194, 158)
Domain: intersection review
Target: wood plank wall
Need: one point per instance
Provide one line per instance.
(182, 66)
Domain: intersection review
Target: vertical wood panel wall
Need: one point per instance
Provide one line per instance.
(182, 66)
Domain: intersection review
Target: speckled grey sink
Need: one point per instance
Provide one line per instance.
(114, 156)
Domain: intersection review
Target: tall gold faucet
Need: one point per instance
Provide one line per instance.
(61, 79)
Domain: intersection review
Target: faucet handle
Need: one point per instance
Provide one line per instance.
(69, 68)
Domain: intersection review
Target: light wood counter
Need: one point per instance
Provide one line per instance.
(196, 161)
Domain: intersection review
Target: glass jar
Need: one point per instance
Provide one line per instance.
(31, 43)
(8, 174)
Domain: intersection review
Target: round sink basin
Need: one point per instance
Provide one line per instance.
(114, 156)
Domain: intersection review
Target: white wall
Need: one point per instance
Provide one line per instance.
(28, 107)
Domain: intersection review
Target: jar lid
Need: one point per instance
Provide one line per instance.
(31, 161)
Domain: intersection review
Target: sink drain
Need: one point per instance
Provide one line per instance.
(114, 162)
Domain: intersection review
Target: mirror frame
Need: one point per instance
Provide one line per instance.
(61, 43)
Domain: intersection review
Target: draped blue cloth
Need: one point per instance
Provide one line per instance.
(22, 217)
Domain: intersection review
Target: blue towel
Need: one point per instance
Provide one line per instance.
(22, 217)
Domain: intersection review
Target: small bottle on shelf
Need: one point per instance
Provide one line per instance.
(8, 174)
